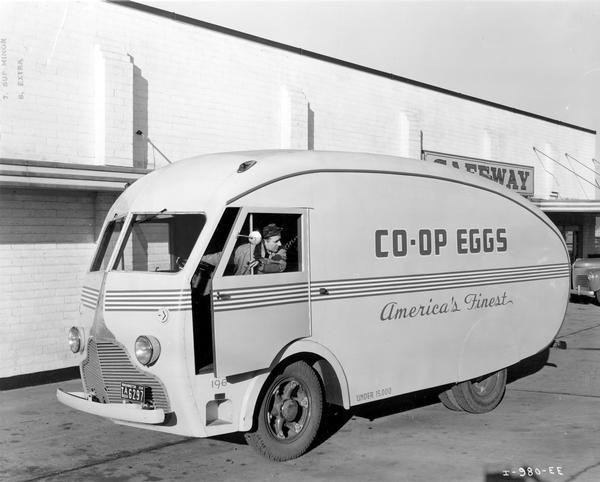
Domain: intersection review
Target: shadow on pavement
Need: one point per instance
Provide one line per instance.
(335, 417)
(236, 438)
(529, 366)
(398, 404)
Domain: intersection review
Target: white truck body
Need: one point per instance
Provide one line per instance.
(409, 275)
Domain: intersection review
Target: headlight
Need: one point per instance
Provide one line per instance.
(147, 350)
(75, 339)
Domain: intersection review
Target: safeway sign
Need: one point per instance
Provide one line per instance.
(512, 176)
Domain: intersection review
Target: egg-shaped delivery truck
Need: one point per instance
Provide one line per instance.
(243, 291)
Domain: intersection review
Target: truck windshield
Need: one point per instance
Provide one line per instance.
(159, 242)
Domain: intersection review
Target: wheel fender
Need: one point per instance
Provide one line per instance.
(488, 347)
(310, 346)
(301, 346)
(249, 401)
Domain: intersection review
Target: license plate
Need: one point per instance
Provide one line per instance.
(133, 393)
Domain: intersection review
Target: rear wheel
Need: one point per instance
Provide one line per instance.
(290, 414)
(448, 400)
(481, 394)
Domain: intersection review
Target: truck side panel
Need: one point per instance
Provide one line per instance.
(418, 281)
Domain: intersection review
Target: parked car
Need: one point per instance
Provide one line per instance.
(586, 278)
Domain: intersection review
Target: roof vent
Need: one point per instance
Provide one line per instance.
(244, 166)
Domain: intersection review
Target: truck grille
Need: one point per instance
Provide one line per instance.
(582, 280)
(107, 365)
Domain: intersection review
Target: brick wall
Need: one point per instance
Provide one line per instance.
(83, 77)
(95, 73)
(46, 243)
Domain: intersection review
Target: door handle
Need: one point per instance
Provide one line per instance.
(223, 296)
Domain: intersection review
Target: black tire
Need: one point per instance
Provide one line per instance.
(290, 414)
(481, 394)
(598, 297)
(448, 400)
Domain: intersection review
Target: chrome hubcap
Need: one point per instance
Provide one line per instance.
(485, 385)
(288, 409)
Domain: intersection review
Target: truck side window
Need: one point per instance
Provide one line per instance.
(278, 250)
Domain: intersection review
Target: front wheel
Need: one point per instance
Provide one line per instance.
(481, 394)
(290, 414)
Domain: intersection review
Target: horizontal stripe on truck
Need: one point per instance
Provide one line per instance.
(243, 298)
(448, 273)
(436, 281)
(246, 298)
(89, 297)
(148, 300)
(276, 295)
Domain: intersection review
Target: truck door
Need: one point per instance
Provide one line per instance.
(260, 290)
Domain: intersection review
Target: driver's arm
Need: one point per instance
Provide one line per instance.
(277, 263)
(242, 257)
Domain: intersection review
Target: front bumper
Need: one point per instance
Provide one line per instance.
(128, 412)
(582, 292)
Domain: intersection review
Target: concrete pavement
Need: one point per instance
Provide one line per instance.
(548, 422)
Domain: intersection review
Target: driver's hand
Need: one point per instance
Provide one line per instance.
(254, 264)
(180, 263)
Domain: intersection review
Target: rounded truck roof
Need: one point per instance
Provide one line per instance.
(201, 182)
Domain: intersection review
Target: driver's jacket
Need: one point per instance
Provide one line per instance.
(246, 254)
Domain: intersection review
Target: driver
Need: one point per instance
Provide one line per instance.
(268, 256)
